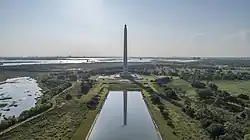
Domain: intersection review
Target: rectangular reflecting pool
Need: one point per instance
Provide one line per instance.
(109, 124)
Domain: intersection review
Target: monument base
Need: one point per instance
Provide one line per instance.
(126, 75)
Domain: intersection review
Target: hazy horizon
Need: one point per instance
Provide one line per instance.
(160, 28)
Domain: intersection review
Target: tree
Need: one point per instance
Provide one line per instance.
(206, 122)
(243, 96)
(4, 124)
(161, 107)
(189, 111)
(171, 94)
(155, 99)
(203, 113)
(204, 93)
(198, 84)
(165, 114)
(215, 130)
(85, 88)
(68, 96)
(213, 87)
(228, 137)
(73, 77)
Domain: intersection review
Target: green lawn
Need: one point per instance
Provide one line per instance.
(84, 128)
(184, 85)
(148, 77)
(234, 87)
(185, 127)
(165, 130)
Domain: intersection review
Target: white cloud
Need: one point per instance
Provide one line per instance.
(196, 35)
(240, 35)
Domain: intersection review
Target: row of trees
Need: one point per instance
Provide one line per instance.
(7, 122)
(11, 120)
(52, 86)
(221, 125)
(210, 75)
(215, 122)
(34, 111)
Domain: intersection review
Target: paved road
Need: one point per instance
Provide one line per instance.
(53, 100)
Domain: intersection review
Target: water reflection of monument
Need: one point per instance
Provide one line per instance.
(125, 99)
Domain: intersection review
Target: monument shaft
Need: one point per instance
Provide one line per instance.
(125, 57)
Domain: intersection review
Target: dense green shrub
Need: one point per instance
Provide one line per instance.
(171, 94)
(213, 87)
(215, 130)
(165, 114)
(155, 99)
(68, 96)
(161, 107)
(243, 96)
(7, 122)
(228, 137)
(34, 111)
(198, 84)
(92, 104)
(205, 122)
(86, 86)
(170, 123)
(204, 94)
(189, 111)
(203, 113)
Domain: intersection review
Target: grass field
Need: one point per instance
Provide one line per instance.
(184, 126)
(234, 87)
(165, 130)
(184, 85)
(60, 122)
(179, 84)
(85, 126)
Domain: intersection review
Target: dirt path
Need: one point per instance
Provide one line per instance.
(53, 101)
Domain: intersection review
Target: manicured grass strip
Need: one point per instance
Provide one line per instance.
(87, 122)
(165, 131)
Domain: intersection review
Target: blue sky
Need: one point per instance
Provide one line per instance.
(95, 27)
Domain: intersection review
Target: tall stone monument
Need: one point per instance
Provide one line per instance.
(125, 74)
(125, 54)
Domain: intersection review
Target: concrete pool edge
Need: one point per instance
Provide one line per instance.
(92, 126)
(97, 115)
(151, 116)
